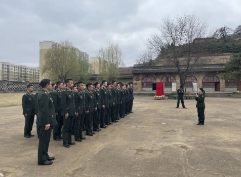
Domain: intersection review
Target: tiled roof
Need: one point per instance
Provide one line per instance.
(126, 70)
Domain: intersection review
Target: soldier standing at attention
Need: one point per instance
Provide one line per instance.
(80, 109)
(110, 105)
(104, 103)
(68, 112)
(131, 97)
(84, 127)
(28, 111)
(59, 117)
(97, 113)
(122, 101)
(74, 89)
(180, 93)
(90, 108)
(200, 97)
(46, 120)
(127, 111)
(118, 102)
(36, 111)
(54, 96)
(114, 104)
(53, 86)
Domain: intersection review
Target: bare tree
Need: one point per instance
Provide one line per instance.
(223, 33)
(237, 31)
(177, 44)
(110, 59)
(146, 59)
(61, 62)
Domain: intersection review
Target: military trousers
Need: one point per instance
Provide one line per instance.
(37, 126)
(131, 104)
(102, 117)
(108, 115)
(78, 126)
(121, 111)
(201, 115)
(96, 119)
(67, 129)
(127, 107)
(178, 102)
(43, 147)
(117, 111)
(89, 122)
(29, 119)
(58, 127)
(113, 113)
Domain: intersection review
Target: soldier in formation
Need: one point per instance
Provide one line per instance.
(70, 109)
(28, 111)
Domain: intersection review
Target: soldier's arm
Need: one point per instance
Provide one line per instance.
(24, 104)
(44, 106)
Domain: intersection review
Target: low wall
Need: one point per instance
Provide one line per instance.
(16, 86)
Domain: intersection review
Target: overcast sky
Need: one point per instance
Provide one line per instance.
(90, 24)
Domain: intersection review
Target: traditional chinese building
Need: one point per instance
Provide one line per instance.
(207, 74)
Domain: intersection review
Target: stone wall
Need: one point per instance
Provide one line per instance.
(137, 81)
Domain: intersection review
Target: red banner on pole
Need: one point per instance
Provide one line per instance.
(159, 88)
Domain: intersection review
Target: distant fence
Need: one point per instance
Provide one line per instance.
(16, 86)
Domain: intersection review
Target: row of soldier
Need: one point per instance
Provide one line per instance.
(76, 107)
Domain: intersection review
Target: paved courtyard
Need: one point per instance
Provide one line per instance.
(157, 140)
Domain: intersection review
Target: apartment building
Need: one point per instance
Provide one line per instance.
(11, 72)
(95, 65)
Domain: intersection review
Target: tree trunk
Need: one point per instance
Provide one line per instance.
(182, 79)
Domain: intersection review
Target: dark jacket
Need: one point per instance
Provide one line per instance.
(46, 110)
(54, 96)
(200, 101)
(90, 103)
(80, 102)
(68, 102)
(118, 96)
(114, 94)
(121, 96)
(131, 93)
(28, 103)
(36, 104)
(110, 98)
(98, 98)
(58, 93)
(127, 95)
(103, 94)
(180, 93)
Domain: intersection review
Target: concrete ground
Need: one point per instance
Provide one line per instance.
(157, 140)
